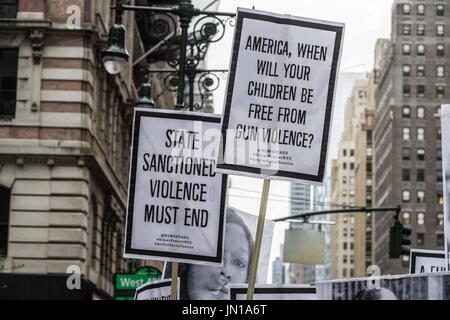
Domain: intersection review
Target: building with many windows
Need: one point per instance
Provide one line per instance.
(65, 127)
(413, 83)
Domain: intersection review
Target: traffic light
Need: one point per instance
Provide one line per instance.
(399, 240)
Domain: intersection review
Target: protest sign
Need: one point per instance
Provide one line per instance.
(431, 286)
(427, 261)
(275, 292)
(212, 283)
(176, 201)
(157, 290)
(445, 125)
(280, 93)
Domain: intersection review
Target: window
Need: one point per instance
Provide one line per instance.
(439, 134)
(406, 217)
(406, 90)
(352, 180)
(440, 219)
(368, 151)
(440, 92)
(352, 166)
(440, 30)
(440, 50)
(8, 9)
(438, 175)
(344, 193)
(344, 180)
(420, 154)
(420, 218)
(420, 175)
(352, 193)
(420, 49)
(440, 198)
(369, 182)
(437, 114)
(420, 196)
(420, 70)
(352, 152)
(406, 49)
(440, 11)
(406, 29)
(406, 195)
(5, 198)
(344, 152)
(420, 112)
(345, 232)
(406, 133)
(406, 174)
(420, 134)
(440, 240)
(406, 154)
(8, 83)
(420, 239)
(406, 9)
(420, 91)
(420, 9)
(440, 71)
(345, 245)
(352, 259)
(406, 112)
(420, 30)
(439, 154)
(344, 165)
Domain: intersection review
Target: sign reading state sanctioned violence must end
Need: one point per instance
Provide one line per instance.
(176, 199)
(279, 100)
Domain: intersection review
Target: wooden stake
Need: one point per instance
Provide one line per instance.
(258, 239)
(173, 288)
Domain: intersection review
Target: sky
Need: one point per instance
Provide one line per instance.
(365, 22)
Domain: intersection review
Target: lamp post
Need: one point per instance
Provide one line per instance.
(115, 55)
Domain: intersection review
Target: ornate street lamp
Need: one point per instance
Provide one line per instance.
(145, 93)
(115, 56)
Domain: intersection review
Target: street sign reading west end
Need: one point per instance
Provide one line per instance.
(125, 284)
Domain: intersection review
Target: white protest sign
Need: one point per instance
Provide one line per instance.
(427, 261)
(176, 200)
(156, 290)
(280, 92)
(445, 125)
(275, 292)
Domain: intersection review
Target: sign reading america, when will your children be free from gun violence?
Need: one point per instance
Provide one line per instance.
(176, 199)
(279, 100)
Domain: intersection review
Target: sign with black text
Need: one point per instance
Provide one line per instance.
(427, 261)
(157, 290)
(280, 94)
(275, 292)
(176, 204)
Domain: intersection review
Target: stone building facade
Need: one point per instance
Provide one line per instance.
(65, 127)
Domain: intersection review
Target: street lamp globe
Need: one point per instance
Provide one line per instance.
(115, 56)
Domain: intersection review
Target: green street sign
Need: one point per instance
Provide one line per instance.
(125, 284)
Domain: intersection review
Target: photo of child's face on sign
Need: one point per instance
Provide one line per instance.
(200, 282)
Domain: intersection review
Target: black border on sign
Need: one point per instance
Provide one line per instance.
(150, 286)
(331, 88)
(131, 192)
(235, 291)
(415, 254)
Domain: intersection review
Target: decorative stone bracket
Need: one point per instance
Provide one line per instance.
(37, 45)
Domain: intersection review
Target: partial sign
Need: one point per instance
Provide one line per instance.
(445, 125)
(125, 284)
(274, 292)
(427, 261)
(176, 201)
(213, 283)
(280, 93)
(158, 290)
(430, 286)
